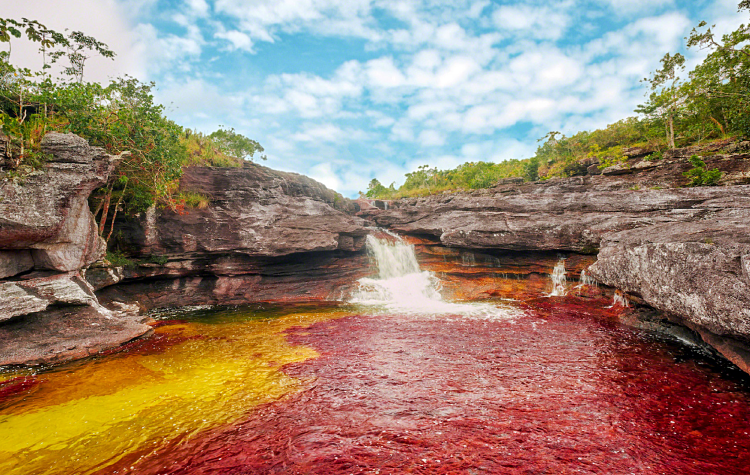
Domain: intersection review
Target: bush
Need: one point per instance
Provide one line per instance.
(700, 176)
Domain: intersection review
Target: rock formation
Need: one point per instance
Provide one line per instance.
(683, 251)
(265, 236)
(47, 235)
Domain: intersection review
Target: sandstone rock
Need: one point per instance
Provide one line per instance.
(15, 262)
(266, 236)
(635, 152)
(66, 333)
(696, 272)
(594, 169)
(619, 169)
(559, 217)
(49, 211)
(644, 165)
(241, 279)
(36, 294)
(510, 181)
(255, 211)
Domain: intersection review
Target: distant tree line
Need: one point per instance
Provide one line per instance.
(710, 102)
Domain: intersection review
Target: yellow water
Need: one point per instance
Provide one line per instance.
(86, 416)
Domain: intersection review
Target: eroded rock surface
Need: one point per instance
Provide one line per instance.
(47, 212)
(265, 236)
(253, 211)
(683, 251)
(48, 312)
(570, 215)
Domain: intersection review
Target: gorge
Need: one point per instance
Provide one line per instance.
(485, 342)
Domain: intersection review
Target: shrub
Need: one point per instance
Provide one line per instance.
(700, 176)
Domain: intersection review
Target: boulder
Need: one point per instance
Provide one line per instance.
(253, 211)
(15, 262)
(48, 212)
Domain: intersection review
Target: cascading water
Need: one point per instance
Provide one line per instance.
(587, 280)
(402, 287)
(558, 280)
(619, 299)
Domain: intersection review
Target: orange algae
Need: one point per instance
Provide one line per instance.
(82, 417)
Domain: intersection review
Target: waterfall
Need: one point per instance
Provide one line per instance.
(402, 287)
(558, 280)
(619, 299)
(586, 281)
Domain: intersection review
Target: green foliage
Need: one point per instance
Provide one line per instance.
(212, 150)
(236, 145)
(376, 190)
(189, 199)
(699, 176)
(712, 102)
(159, 260)
(120, 117)
(118, 259)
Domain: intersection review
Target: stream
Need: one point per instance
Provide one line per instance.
(393, 380)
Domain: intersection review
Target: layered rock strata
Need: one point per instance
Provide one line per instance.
(684, 251)
(264, 236)
(48, 312)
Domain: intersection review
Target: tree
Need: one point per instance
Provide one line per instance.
(720, 85)
(236, 145)
(667, 101)
(78, 48)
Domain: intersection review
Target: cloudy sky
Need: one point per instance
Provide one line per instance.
(348, 90)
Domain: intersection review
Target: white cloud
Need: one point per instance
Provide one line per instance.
(537, 22)
(237, 39)
(431, 138)
(112, 27)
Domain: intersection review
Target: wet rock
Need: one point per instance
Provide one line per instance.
(693, 270)
(66, 333)
(682, 251)
(266, 236)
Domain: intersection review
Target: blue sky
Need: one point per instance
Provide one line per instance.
(348, 90)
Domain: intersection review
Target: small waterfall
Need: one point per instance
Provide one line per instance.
(619, 299)
(468, 259)
(558, 280)
(586, 281)
(402, 287)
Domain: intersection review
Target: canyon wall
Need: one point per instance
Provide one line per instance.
(48, 311)
(682, 251)
(264, 236)
(270, 236)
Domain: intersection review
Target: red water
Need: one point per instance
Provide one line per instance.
(555, 392)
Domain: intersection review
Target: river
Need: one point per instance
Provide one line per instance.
(393, 380)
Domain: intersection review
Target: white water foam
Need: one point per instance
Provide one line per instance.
(619, 299)
(401, 287)
(558, 280)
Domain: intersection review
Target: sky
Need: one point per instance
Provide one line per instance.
(349, 90)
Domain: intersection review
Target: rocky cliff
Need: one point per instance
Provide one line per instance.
(264, 236)
(48, 312)
(683, 251)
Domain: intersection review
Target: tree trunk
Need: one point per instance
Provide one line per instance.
(114, 213)
(670, 124)
(105, 212)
